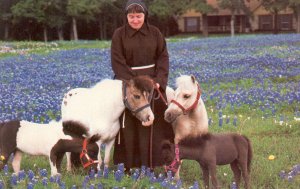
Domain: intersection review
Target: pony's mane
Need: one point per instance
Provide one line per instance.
(195, 141)
(143, 83)
(184, 81)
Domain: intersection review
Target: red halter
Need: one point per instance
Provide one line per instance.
(175, 163)
(84, 153)
(193, 106)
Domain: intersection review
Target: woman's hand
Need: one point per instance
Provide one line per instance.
(157, 85)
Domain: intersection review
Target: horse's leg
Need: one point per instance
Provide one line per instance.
(177, 176)
(53, 167)
(213, 173)
(69, 163)
(99, 142)
(59, 159)
(243, 166)
(108, 148)
(16, 163)
(205, 173)
(243, 163)
(236, 172)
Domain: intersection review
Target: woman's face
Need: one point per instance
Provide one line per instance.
(136, 20)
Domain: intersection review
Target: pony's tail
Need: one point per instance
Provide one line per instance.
(250, 154)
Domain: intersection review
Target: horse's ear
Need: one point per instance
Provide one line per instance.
(193, 78)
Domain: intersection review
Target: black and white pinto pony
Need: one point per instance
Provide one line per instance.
(93, 113)
(187, 113)
(17, 137)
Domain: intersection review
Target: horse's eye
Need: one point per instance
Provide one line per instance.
(137, 96)
(186, 96)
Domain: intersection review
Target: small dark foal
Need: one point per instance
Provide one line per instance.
(210, 150)
(75, 146)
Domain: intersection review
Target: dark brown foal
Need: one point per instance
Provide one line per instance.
(210, 150)
(75, 146)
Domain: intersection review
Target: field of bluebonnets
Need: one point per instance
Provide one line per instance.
(250, 84)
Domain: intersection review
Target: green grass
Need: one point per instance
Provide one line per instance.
(29, 47)
(267, 137)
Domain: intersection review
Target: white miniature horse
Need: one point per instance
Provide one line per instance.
(187, 113)
(31, 138)
(94, 112)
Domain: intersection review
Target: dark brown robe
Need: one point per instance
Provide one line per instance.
(138, 145)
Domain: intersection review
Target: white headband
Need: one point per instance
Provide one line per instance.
(135, 4)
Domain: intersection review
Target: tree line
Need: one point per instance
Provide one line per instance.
(97, 19)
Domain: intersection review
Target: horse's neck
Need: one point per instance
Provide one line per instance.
(200, 113)
(194, 123)
(186, 152)
(115, 106)
(198, 117)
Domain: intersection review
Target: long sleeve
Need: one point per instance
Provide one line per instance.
(162, 64)
(118, 60)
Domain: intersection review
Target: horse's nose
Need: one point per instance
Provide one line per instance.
(148, 118)
(168, 116)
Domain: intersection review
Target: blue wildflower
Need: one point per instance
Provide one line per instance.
(45, 181)
(30, 185)
(21, 175)
(13, 179)
(5, 169)
(30, 174)
(92, 174)
(1, 184)
(99, 186)
(233, 185)
(105, 172)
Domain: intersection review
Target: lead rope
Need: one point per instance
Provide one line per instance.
(151, 131)
(123, 126)
(160, 95)
(174, 166)
(151, 138)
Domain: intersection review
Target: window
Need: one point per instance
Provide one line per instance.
(192, 24)
(265, 22)
(285, 22)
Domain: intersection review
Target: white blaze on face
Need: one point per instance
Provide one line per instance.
(150, 118)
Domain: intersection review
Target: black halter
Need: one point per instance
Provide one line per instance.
(127, 105)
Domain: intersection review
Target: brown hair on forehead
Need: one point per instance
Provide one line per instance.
(135, 8)
(143, 83)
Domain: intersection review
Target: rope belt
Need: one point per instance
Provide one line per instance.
(142, 67)
(84, 154)
(175, 163)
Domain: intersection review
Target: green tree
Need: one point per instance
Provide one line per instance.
(204, 8)
(34, 10)
(6, 15)
(274, 7)
(295, 5)
(57, 16)
(82, 9)
(109, 17)
(235, 6)
(164, 10)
